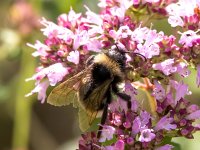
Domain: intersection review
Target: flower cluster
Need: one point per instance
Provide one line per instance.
(139, 129)
(168, 59)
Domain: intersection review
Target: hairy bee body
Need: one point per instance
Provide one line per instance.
(91, 89)
(103, 74)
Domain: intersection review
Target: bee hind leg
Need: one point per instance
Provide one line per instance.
(103, 120)
(105, 112)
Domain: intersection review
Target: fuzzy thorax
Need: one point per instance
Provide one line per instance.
(112, 65)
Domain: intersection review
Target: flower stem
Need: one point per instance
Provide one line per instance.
(23, 105)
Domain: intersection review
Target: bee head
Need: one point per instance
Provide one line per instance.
(118, 55)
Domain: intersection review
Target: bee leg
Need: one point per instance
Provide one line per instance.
(126, 98)
(90, 60)
(123, 96)
(105, 112)
(103, 120)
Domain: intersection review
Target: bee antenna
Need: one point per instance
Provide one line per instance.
(142, 56)
(117, 46)
(121, 49)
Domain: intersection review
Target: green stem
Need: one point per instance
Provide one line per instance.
(23, 105)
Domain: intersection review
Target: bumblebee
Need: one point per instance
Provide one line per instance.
(91, 89)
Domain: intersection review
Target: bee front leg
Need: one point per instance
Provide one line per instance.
(123, 96)
(126, 98)
(90, 60)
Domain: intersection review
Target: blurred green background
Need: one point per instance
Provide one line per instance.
(25, 123)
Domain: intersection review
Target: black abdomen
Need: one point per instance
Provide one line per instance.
(100, 73)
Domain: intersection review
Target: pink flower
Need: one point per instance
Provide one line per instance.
(53, 30)
(139, 34)
(116, 8)
(182, 69)
(192, 108)
(80, 38)
(188, 38)
(40, 88)
(169, 66)
(122, 22)
(181, 89)
(94, 45)
(74, 57)
(145, 117)
(70, 20)
(177, 11)
(193, 115)
(41, 73)
(165, 123)
(165, 147)
(136, 126)
(55, 74)
(117, 119)
(107, 133)
(166, 66)
(129, 89)
(158, 91)
(175, 21)
(93, 17)
(150, 46)
(136, 2)
(119, 145)
(123, 32)
(73, 17)
(146, 135)
(41, 49)
(152, 1)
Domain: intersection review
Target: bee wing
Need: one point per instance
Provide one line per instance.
(86, 116)
(66, 92)
(97, 96)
